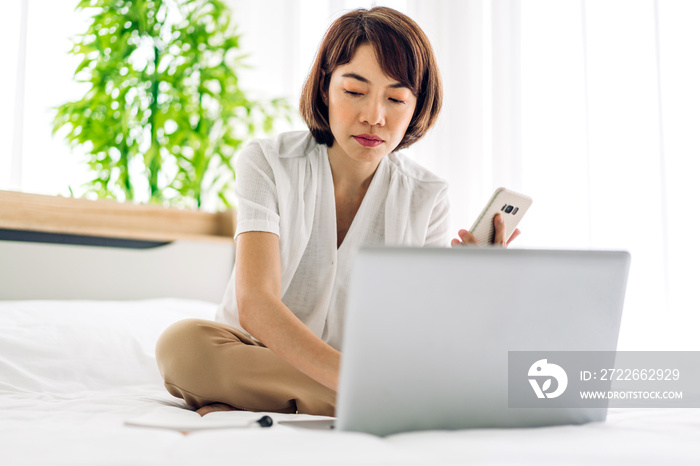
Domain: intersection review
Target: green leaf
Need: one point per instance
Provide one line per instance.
(151, 62)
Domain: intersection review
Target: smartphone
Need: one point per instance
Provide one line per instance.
(512, 207)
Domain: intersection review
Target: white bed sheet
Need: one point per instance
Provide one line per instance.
(71, 373)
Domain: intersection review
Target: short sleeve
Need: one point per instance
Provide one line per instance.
(256, 191)
(438, 227)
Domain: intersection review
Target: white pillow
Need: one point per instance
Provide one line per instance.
(70, 346)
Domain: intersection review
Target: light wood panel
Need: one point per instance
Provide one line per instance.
(35, 212)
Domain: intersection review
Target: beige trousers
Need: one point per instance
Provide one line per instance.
(206, 362)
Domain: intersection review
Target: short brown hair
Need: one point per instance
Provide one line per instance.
(404, 54)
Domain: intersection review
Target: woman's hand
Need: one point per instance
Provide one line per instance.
(499, 237)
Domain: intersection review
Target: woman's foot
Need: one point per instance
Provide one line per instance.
(215, 407)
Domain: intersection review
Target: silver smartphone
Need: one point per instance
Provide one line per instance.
(511, 205)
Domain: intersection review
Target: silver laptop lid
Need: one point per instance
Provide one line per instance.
(428, 332)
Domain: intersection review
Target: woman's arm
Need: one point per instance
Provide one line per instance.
(263, 315)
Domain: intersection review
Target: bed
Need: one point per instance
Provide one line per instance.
(86, 287)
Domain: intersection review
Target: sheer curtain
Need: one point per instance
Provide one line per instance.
(36, 76)
(592, 107)
(610, 112)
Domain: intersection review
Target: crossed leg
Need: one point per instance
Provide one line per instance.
(213, 367)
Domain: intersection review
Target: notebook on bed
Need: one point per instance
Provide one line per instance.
(428, 331)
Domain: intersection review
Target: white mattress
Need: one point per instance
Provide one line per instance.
(71, 373)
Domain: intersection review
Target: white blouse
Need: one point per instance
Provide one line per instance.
(284, 186)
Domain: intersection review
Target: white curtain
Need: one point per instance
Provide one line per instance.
(592, 107)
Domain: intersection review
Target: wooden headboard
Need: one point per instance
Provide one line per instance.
(103, 218)
(66, 248)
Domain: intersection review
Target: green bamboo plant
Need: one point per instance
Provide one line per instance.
(163, 108)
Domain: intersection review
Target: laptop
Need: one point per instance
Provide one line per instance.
(428, 333)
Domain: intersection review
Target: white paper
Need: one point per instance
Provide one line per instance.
(183, 420)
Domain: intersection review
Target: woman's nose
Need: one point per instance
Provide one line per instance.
(373, 112)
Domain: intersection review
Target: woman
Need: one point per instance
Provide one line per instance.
(307, 201)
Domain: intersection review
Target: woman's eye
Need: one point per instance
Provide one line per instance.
(397, 101)
(352, 93)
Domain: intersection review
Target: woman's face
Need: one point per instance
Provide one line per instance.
(368, 111)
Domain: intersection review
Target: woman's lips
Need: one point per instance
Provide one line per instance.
(368, 140)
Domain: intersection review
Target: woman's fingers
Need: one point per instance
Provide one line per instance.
(499, 236)
(515, 234)
(465, 237)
